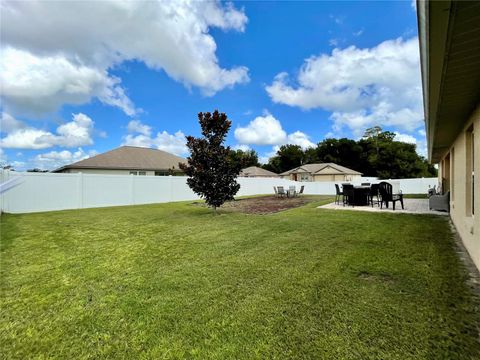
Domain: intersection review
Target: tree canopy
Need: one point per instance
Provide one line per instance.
(244, 158)
(376, 154)
(211, 172)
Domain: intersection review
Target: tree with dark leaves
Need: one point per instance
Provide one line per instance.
(245, 158)
(211, 172)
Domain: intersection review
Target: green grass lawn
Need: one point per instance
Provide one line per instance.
(174, 281)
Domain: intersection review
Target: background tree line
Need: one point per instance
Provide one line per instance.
(376, 154)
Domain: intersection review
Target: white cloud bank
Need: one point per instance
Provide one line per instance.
(361, 87)
(141, 135)
(55, 159)
(267, 130)
(77, 132)
(47, 61)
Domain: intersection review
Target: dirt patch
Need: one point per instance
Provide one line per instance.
(266, 204)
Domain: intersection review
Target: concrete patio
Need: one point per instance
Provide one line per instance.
(412, 206)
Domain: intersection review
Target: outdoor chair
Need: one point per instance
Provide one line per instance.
(301, 190)
(292, 191)
(348, 194)
(374, 195)
(338, 193)
(281, 191)
(365, 184)
(440, 202)
(275, 190)
(386, 193)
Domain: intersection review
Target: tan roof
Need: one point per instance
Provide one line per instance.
(257, 171)
(315, 168)
(129, 158)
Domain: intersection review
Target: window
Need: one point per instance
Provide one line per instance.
(470, 174)
(304, 177)
(161, 173)
(133, 173)
(142, 173)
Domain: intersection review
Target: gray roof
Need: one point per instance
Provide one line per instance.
(315, 168)
(129, 158)
(257, 171)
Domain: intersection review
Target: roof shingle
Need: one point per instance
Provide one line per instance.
(129, 157)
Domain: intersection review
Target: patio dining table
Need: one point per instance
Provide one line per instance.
(361, 193)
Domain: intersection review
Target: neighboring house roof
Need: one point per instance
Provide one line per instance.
(129, 158)
(257, 171)
(321, 169)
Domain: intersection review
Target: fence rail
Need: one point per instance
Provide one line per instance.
(35, 192)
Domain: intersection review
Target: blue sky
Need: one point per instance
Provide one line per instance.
(138, 74)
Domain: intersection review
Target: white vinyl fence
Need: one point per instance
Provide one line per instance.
(36, 192)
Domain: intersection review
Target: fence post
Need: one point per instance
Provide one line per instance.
(3, 178)
(81, 203)
(132, 182)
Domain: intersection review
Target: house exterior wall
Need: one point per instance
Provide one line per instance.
(456, 176)
(258, 176)
(108, 171)
(322, 177)
(336, 177)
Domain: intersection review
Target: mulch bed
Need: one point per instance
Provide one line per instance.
(264, 204)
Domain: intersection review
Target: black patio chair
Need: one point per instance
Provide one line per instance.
(374, 195)
(348, 194)
(301, 190)
(365, 184)
(281, 191)
(386, 193)
(338, 193)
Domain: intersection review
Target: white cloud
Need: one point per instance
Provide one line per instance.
(263, 159)
(267, 130)
(333, 42)
(358, 33)
(140, 135)
(405, 138)
(35, 85)
(300, 138)
(48, 61)
(420, 143)
(9, 124)
(361, 87)
(263, 130)
(242, 147)
(56, 159)
(135, 126)
(77, 132)
(3, 157)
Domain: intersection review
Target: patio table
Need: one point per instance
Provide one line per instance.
(361, 195)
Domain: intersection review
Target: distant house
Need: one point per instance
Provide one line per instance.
(128, 160)
(255, 171)
(321, 172)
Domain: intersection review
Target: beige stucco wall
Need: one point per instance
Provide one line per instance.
(326, 177)
(468, 226)
(336, 177)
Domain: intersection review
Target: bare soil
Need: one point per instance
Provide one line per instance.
(266, 204)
